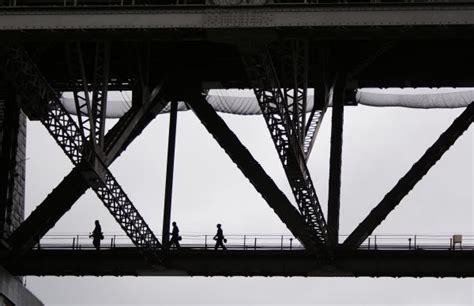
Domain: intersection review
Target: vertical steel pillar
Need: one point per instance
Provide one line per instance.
(335, 161)
(169, 173)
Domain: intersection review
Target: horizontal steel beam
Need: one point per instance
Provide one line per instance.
(65, 18)
(184, 262)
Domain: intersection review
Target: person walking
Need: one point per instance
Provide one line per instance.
(97, 235)
(219, 238)
(175, 238)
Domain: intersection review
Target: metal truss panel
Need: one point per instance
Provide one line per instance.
(253, 171)
(27, 78)
(411, 178)
(322, 98)
(77, 73)
(61, 199)
(266, 86)
(293, 56)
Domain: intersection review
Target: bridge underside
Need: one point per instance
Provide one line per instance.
(379, 45)
(369, 61)
(122, 262)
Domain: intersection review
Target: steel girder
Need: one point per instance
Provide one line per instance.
(411, 178)
(30, 83)
(127, 261)
(253, 171)
(264, 81)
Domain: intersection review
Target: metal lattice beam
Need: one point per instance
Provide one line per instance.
(264, 81)
(321, 101)
(73, 186)
(410, 179)
(295, 61)
(253, 171)
(28, 79)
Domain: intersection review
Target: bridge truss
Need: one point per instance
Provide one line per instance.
(280, 69)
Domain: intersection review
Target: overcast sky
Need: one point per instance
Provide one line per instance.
(380, 145)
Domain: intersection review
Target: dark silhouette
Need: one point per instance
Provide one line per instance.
(175, 238)
(97, 235)
(219, 238)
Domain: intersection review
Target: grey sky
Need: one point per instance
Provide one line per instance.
(380, 145)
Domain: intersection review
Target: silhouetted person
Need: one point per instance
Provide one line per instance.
(175, 238)
(219, 238)
(97, 235)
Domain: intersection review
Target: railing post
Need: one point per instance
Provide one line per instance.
(368, 247)
(73, 242)
(115, 241)
(245, 238)
(291, 244)
(205, 242)
(375, 242)
(414, 243)
(409, 243)
(255, 244)
(281, 247)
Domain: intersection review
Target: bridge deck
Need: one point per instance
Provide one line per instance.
(129, 261)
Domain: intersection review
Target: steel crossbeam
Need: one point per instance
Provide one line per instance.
(411, 178)
(257, 176)
(265, 83)
(29, 81)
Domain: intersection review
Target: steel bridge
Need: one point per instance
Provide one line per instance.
(170, 51)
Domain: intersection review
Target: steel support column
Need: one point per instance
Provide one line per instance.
(252, 170)
(334, 194)
(169, 174)
(411, 178)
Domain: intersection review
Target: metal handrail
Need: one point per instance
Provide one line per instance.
(263, 242)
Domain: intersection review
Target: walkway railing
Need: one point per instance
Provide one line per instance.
(266, 242)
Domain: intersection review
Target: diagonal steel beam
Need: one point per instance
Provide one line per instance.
(264, 81)
(263, 183)
(411, 178)
(45, 216)
(73, 186)
(30, 83)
